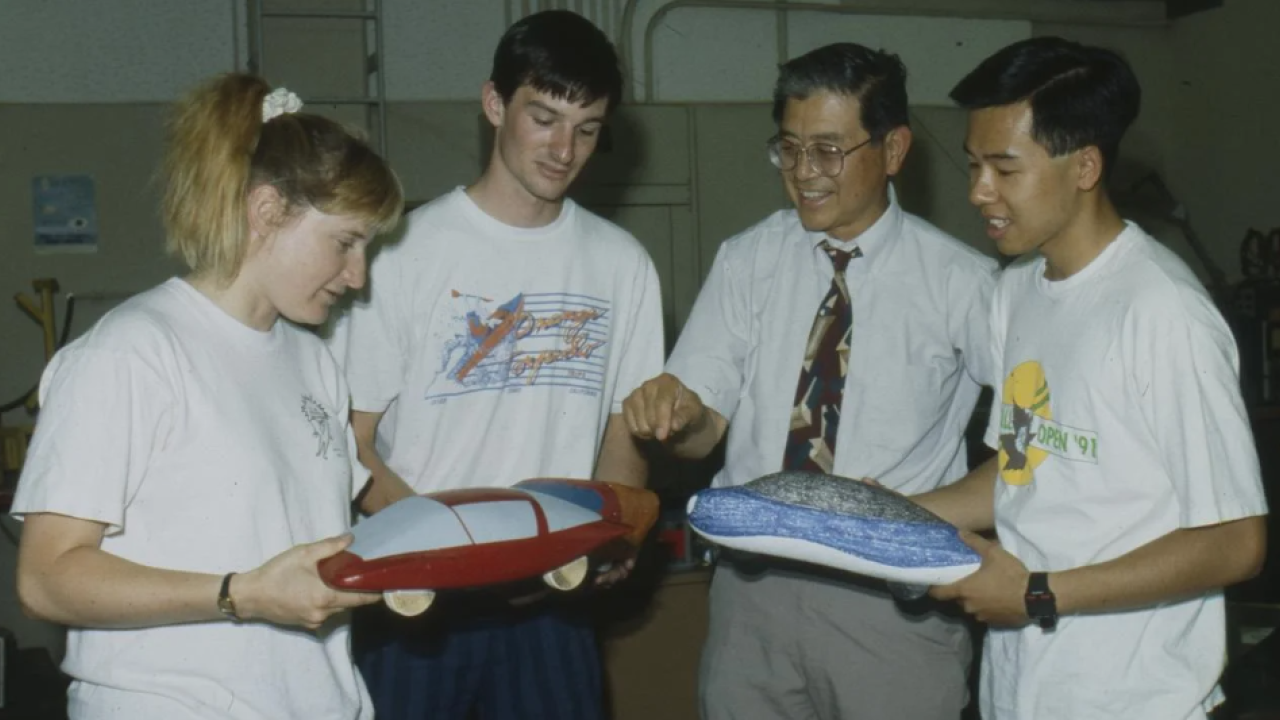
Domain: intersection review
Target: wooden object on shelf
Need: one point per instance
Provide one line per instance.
(14, 439)
(13, 447)
(43, 312)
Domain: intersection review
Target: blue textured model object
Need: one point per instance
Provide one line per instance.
(837, 522)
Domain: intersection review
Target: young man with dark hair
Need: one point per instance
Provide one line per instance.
(842, 336)
(501, 336)
(1125, 492)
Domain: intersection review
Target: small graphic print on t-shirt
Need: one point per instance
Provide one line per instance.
(527, 340)
(1028, 432)
(318, 418)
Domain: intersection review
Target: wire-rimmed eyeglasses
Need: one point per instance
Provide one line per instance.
(824, 158)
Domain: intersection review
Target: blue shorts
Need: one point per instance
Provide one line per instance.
(494, 663)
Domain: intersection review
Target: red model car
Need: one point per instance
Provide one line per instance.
(470, 538)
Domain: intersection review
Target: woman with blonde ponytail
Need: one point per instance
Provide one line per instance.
(193, 460)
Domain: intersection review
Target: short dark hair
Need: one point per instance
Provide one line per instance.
(877, 79)
(1079, 95)
(560, 53)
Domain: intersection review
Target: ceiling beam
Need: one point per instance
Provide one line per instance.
(1139, 13)
(1178, 8)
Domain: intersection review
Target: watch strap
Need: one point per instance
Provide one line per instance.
(225, 604)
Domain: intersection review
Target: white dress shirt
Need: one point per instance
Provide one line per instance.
(920, 347)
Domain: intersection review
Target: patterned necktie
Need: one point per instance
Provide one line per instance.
(815, 416)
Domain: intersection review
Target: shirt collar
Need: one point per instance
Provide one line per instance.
(874, 239)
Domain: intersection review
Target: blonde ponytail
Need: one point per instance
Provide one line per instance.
(219, 149)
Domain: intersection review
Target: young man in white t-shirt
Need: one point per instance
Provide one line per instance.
(1126, 492)
(501, 336)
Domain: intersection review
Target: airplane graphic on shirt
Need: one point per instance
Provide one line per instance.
(489, 333)
(529, 340)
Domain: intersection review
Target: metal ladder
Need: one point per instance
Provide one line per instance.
(375, 98)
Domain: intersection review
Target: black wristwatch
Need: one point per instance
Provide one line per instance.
(1042, 606)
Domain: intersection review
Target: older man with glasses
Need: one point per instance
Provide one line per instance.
(844, 336)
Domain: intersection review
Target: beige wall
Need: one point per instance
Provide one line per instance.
(1225, 101)
(118, 145)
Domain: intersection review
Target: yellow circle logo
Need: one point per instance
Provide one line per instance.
(1025, 397)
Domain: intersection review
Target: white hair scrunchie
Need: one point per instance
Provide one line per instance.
(279, 102)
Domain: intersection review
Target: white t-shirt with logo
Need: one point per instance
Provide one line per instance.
(205, 446)
(1119, 421)
(498, 353)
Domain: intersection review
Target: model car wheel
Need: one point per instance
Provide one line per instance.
(568, 576)
(409, 603)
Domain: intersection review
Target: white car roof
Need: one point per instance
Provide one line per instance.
(410, 525)
(418, 524)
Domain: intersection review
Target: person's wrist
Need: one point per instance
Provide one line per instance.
(242, 594)
(394, 487)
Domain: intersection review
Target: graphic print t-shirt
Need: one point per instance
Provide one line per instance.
(498, 353)
(1118, 420)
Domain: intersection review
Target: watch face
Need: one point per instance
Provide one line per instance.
(1042, 609)
(1042, 606)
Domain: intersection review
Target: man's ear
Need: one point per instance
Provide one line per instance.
(1090, 167)
(495, 108)
(266, 211)
(896, 144)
